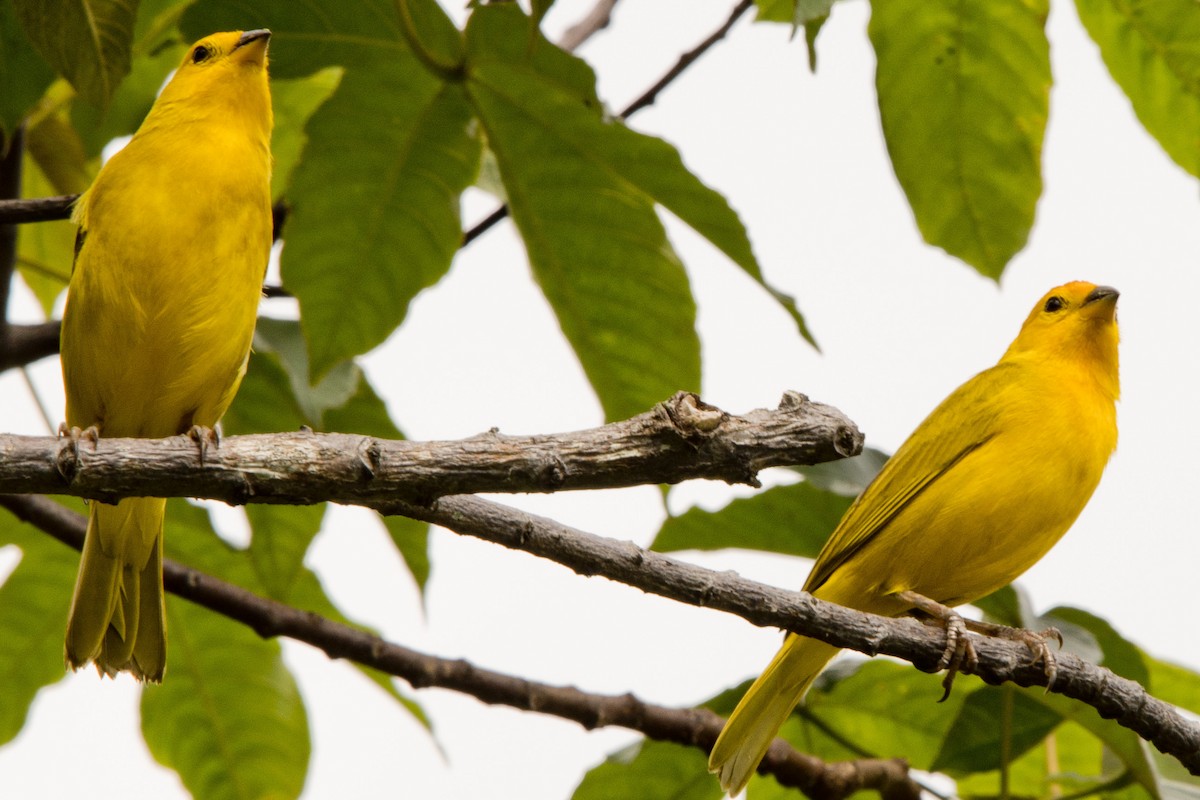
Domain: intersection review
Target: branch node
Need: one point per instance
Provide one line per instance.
(691, 417)
(370, 457)
(847, 441)
(552, 472)
(793, 401)
(243, 490)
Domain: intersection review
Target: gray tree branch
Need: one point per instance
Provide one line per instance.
(691, 727)
(679, 439)
(1000, 661)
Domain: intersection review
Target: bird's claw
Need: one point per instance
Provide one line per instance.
(204, 437)
(959, 653)
(67, 459)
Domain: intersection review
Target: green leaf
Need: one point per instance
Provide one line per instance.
(45, 251)
(794, 519)
(1119, 654)
(265, 402)
(539, 8)
(87, 41)
(963, 97)
(293, 102)
(597, 248)
(1123, 744)
(883, 709)
(1175, 684)
(1077, 764)
(1150, 50)
(812, 28)
(34, 600)
(367, 414)
(975, 741)
(283, 338)
(280, 539)
(412, 542)
(374, 224)
(307, 35)
(130, 103)
(24, 75)
(228, 716)
(651, 770)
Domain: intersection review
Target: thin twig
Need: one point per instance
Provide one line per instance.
(592, 23)
(691, 727)
(37, 399)
(10, 189)
(25, 344)
(646, 98)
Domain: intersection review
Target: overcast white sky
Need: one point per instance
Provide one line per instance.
(802, 160)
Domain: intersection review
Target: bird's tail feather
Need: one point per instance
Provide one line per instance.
(763, 709)
(117, 616)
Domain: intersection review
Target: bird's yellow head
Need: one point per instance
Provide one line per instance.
(1077, 321)
(223, 75)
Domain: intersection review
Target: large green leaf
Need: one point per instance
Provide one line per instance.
(87, 41)
(24, 75)
(307, 35)
(366, 413)
(264, 402)
(883, 709)
(1175, 684)
(1075, 761)
(1119, 654)
(228, 716)
(596, 245)
(651, 771)
(374, 224)
(130, 103)
(794, 519)
(963, 97)
(1150, 49)
(994, 723)
(634, 162)
(338, 385)
(280, 539)
(294, 101)
(33, 612)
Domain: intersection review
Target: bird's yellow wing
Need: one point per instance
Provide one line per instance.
(964, 422)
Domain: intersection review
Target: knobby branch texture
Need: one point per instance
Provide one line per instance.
(1000, 661)
(691, 727)
(679, 439)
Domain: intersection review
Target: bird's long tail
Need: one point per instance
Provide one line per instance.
(117, 614)
(764, 708)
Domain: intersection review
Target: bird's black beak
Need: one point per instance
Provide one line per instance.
(252, 36)
(1101, 292)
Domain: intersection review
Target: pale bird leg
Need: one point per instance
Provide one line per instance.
(204, 437)
(67, 461)
(1036, 641)
(960, 652)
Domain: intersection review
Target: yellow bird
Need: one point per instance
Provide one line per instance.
(980, 491)
(174, 238)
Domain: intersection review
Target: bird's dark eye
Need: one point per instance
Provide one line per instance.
(201, 53)
(1055, 303)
